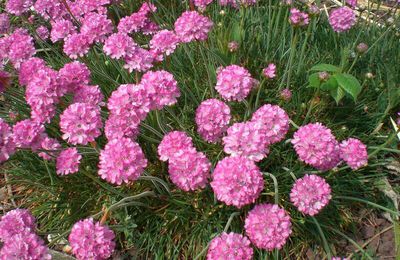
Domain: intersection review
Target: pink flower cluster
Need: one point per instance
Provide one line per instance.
(202, 4)
(310, 194)
(212, 119)
(164, 42)
(234, 3)
(268, 226)
(192, 26)
(270, 71)
(298, 18)
(237, 181)
(354, 153)
(17, 229)
(4, 23)
(18, 7)
(7, 145)
(68, 161)
(136, 21)
(342, 19)
(188, 169)
(230, 246)
(234, 83)
(73, 75)
(43, 32)
(17, 47)
(27, 133)
(61, 29)
(91, 240)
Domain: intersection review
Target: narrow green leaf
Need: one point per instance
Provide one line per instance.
(325, 67)
(313, 80)
(349, 84)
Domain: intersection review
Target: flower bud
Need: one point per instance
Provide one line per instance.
(362, 48)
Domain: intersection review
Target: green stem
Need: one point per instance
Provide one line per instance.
(324, 241)
(276, 190)
(228, 224)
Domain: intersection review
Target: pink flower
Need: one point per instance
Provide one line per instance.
(24, 245)
(89, 94)
(164, 42)
(61, 29)
(247, 140)
(18, 47)
(91, 240)
(18, 7)
(212, 119)
(231, 246)
(237, 181)
(310, 194)
(68, 161)
(316, 146)
(122, 160)
(174, 145)
(96, 27)
(29, 68)
(50, 9)
(298, 18)
(133, 23)
(77, 45)
(117, 127)
(192, 26)
(342, 19)
(7, 146)
(268, 226)
(274, 122)
(139, 60)
(50, 147)
(234, 3)
(80, 123)
(190, 171)
(161, 87)
(234, 83)
(352, 3)
(150, 27)
(73, 75)
(119, 45)
(26, 133)
(15, 222)
(354, 153)
(43, 32)
(4, 23)
(233, 46)
(82, 7)
(270, 71)
(286, 94)
(202, 4)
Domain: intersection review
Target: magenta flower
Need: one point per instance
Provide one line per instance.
(119, 45)
(15, 222)
(190, 171)
(298, 18)
(310, 194)
(18, 47)
(342, 19)
(43, 32)
(316, 146)
(164, 42)
(50, 146)
(122, 160)
(246, 139)
(73, 75)
(77, 45)
(68, 161)
(96, 26)
(90, 94)
(61, 29)
(212, 119)
(7, 145)
(174, 145)
(234, 83)
(118, 127)
(161, 87)
(4, 23)
(191, 26)
(18, 7)
(233, 46)
(237, 181)
(50, 9)
(91, 240)
(150, 28)
(286, 94)
(28, 70)
(274, 122)
(133, 23)
(26, 133)
(80, 123)
(268, 226)
(270, 71)
(202, 4)
(354, 153)
(231, 246)
(139, 60)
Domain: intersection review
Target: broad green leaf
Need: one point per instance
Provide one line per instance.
(337, 94)
(349, 84)
(325, 67)
(314, 81)
(331, 84)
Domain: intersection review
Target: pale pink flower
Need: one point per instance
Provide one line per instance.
(50, 9)
(96, 27)
(90, 94)
(139, 60)
(121, 126)
(119, 45)
(286, 94)
(73, 75)
(202, 4)
(18, 7)
(4, 23)
(164, 42)
(26, 133)
(28, 69)
(191, 26)
(77, 45)
(61, 29)
(173, 145)
(43, 32)
(50, 147)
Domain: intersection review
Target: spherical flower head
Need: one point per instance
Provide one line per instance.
(342, 19)
(21, 48)
(80, 123)
(90, 94)
(50, 9)
(91, 240)
(286, 94)
(237, 181)
(230, 246)
(233, 46)
(29, 68)
(270, 71)
(274, 122)
(161, 87)
(4, 23)
(24, 245)
(7, 145)
(190, 171)
(122, 160)
(234, 83)
(298, 18)
(202, 4)
(268, 226)
(26, 132)
(61, 29)
(133, 23)
(164, 42)
(362, 48)
(73, 75)
(43, 32)
(96, 26)
(173, 145)
(191, 26)
(246, 139)
(139, 60)
(82, 7)
(316, 146)
(14, 222)
(119, 45)
(18, 7)
(310, 194)
(212, 119)
(354, 153)
(120, 126)
(77, 45)
(68, 161)
(50, 147)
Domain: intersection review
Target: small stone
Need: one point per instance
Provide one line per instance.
(367, 231)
